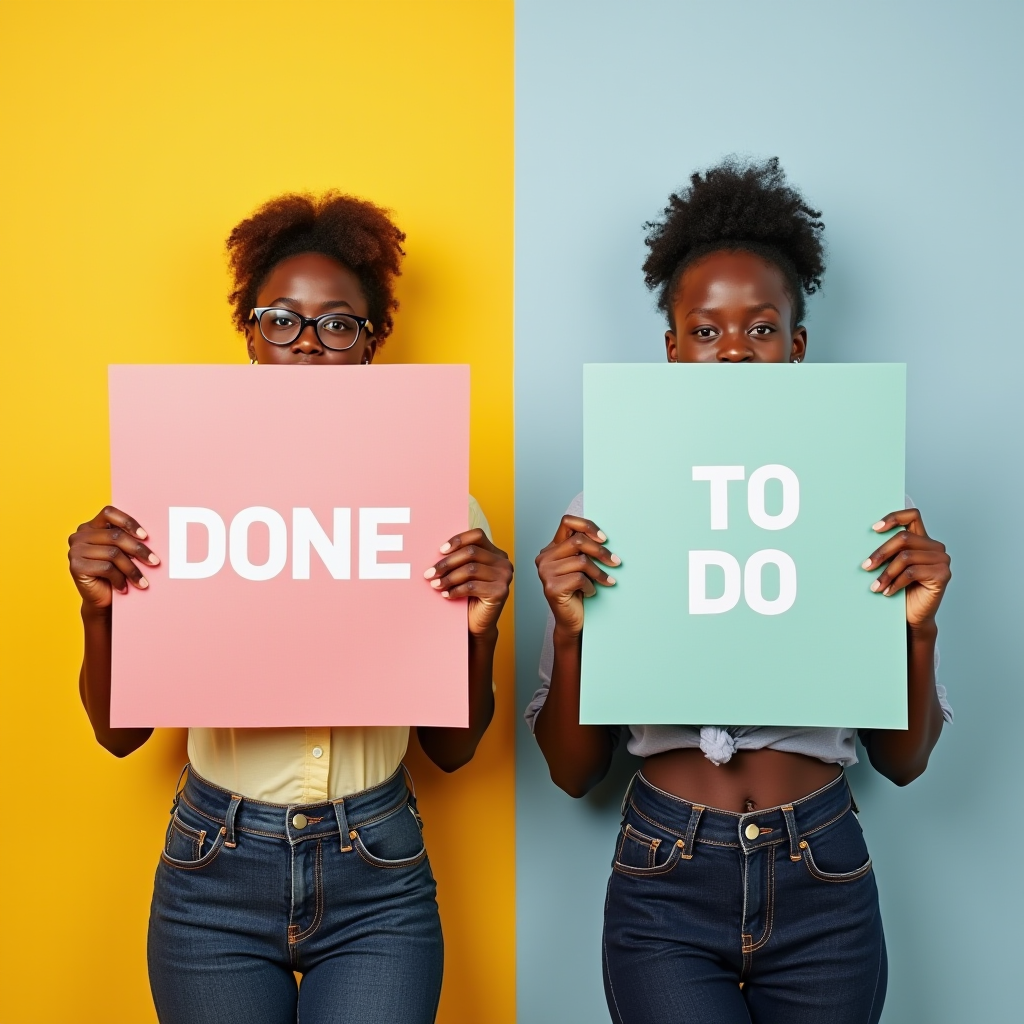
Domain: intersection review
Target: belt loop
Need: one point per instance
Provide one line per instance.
(696, 810)
(628, 794)
(795, 846)
(343, 830)
(410, 785)
(178, 788)
(229, 821)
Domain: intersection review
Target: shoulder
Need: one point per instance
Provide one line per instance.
(477, 519)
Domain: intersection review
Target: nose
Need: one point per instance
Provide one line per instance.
(307, 343)
(734, 348)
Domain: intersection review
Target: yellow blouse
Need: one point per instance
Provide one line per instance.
(298, 766)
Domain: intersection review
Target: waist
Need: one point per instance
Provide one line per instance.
(295, 820)
(729, 828)
(750, 779)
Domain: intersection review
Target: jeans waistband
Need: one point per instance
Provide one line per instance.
(294, 822)
(787, 823)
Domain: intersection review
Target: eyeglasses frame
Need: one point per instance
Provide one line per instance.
(305, 321)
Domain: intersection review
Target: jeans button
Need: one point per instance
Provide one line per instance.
(300, 821)
(752, 831)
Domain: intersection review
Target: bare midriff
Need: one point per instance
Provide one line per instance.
(751, 780)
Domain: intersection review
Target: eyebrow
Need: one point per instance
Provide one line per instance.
(708, 311)
(329, 304)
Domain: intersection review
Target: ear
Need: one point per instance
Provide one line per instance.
(671, 350)
(798, 349)
(369, 352)
(250, 344)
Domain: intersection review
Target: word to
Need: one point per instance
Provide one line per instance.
(232, 543)
(748, 583)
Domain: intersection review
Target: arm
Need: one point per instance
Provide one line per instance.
(100, 554)
(920, 565)
(578, 756)
(475, 569)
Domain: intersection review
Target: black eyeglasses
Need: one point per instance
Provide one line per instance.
(336, 331)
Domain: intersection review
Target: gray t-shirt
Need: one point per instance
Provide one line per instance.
(719, 742)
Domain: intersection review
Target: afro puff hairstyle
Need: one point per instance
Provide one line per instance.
(352, 231)
(737, 206)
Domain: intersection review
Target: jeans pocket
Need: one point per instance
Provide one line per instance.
(189, 848)
(395, 841)
(838, 853)
(642, 855)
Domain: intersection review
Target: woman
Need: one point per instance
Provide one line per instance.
(298, 850)
(741, 887)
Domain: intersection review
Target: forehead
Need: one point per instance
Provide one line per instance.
(311, 275)
(723, 279)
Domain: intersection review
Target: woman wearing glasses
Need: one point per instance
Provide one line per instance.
(741, 888)
(355, 914)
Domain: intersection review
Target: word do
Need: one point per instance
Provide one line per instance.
(232, 543)
(749, 584)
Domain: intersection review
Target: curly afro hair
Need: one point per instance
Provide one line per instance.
(352, 231)
(737, 206)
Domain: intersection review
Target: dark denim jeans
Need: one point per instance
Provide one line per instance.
(248, 892)
(782, 901)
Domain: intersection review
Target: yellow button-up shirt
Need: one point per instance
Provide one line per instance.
(300, 766)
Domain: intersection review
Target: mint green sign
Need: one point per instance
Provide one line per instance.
(741, 500)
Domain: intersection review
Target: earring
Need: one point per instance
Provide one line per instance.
(252, 362)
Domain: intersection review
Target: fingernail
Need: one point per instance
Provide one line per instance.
(445, 548)
(611, 579)
(445, 594)
(430, 572)
(140, 532)
(885, 593)
(153, 560)
(880, 525)
(876, 587)
(616, 560)
(602, 536)
(435, 583)
(143, 582)
(866, 564)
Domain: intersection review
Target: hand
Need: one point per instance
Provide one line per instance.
(568, 572)
(474, 568)
(916, 562)
(101, 554)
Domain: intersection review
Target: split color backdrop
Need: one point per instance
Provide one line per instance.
(138, 134)
(903, 121)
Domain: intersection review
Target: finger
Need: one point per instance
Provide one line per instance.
(576, 524)
(577, 542)
(109, 553)
(900, 563)
(463, 554)
(577, 564)
(472, 571)
(907, 517)
(475, 536)
(938, 575)
(476, 588)
(903, 541)
(116, 517)
(85, 570)
(115, 535)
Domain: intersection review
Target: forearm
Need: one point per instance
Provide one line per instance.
(449, 747)
(578, 756)
(94, 686)
(902, 754)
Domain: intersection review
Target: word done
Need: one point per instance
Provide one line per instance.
(231, 543)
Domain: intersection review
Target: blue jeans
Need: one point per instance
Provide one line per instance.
(249, 892)
(781, 902)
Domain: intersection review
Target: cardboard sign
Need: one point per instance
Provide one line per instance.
(294, 510)
(741, 500)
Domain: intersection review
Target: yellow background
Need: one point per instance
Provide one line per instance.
(137, 134)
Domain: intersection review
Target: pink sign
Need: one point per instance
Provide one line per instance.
(294, 510)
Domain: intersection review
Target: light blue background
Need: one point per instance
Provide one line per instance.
(902, 122)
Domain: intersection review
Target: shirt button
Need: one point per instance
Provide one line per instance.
(752, 831)
(300, 821)
(318, 751)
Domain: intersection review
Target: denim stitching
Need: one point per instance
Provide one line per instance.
(770, 910)
(832, 876)
(293, 935)
(207, 859)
